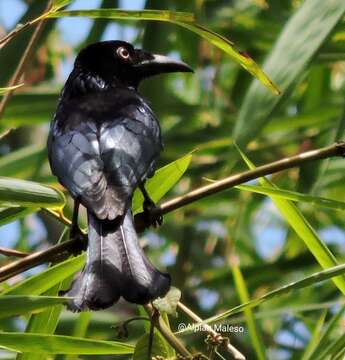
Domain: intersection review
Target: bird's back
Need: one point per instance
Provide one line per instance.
(102, 145)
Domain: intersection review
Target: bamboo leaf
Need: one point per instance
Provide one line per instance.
(20, 161)
(59, 344)
(17, 304)
(43, 281)
(243, 294)
(294, 196)
(58, 4)
(164, 179)
(159, 347)
(15, 192)
(301, 226)
(7, 89)
(310, 280)
(296, 46)
(182, 19)
(8, 215)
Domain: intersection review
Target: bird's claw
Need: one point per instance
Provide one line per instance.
(151, 218)
(80, 241)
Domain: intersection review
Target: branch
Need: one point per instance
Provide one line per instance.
(167, 334)
(337, 149)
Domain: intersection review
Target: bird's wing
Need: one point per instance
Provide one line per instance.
(100, 157)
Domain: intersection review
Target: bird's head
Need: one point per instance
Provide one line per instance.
(118, 63)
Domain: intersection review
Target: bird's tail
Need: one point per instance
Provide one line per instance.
(115, 266)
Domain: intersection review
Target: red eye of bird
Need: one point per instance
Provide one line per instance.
(122, 53)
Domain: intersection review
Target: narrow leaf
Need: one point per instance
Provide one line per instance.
(17, 305)
(300, 284)
(185, 20)
(164, 179)
(294, 196)
(15, 192)
(303, 229)
(43, 281)
(14, 213)
(7, 89)
(298, 43)
(58, 344)
(243, 294)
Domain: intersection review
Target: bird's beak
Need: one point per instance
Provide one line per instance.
(153, 64)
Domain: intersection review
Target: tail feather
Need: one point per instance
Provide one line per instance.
(142, 282)
(115, 266)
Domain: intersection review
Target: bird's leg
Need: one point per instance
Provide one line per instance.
(75, 232)
(148, 207)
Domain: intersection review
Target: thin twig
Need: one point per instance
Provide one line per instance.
(234, 352)
(167, 333)
(12, 252)
(24, 59)
(337, 149)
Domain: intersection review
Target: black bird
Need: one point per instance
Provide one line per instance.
(104, 142)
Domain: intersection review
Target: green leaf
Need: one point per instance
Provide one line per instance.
(164, 179)
(58, 4)
(46, 321)
(185, 20)
(80, 329)
(21, 161)
(14, 213)
(294, 196)
(316, 335)
(310, 280)
(228, 47)
(43, 281)
(159, 347)
(15, 192)
(328, 331)
(298, 43)
(58, 344)
(243, 294)
(301, 226)
(7, 89)
(17, 304)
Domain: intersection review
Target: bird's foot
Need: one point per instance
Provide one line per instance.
(151, 215)
(80, 240)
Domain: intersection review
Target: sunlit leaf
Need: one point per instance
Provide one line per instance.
(185, 20)
(7, 89)
(164, 179)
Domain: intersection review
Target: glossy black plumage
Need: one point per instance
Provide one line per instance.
(104, 142)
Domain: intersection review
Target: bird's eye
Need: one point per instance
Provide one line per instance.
(122, 53)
